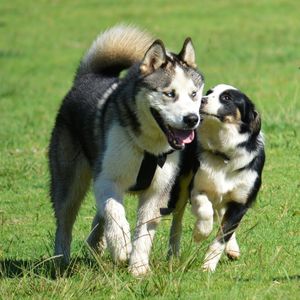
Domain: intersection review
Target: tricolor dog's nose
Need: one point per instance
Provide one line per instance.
(191, 120)
(204, 100)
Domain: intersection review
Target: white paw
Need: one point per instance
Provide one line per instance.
(233, 253)
(118, 241)
(120, 255)
(209, 266)
(232, 248)
(139, 270)
(202, 230)
(213, 256)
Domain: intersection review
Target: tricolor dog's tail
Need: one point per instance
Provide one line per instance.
(114, 50)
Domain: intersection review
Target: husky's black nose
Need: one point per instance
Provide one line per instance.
(191, 120)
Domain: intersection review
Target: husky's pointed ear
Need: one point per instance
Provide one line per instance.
(187, 53)
(255, 124)
(154, 58)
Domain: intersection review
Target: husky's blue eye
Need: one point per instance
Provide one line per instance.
(170, 94)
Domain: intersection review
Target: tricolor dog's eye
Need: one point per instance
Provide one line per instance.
(170, 94)
(193, 94)
(225, 97)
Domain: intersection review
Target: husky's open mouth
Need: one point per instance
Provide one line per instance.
(177, 138)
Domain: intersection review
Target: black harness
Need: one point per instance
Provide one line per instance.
(147, 170)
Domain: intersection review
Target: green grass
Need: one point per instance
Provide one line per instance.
(253, 45)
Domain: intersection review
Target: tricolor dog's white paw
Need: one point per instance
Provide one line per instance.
(233, 254)
(202, 230)
(232, 248)
(203, 211)
(213, 256)
(209, 266)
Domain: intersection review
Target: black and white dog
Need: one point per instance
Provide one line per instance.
(229, 160)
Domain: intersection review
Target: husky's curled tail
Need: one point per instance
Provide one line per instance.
(116, 49)
(107, 126)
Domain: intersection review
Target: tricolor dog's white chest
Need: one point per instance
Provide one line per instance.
(221, 181)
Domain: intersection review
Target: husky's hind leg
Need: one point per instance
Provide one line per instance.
(70, 177)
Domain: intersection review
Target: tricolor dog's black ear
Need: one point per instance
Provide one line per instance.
(154, 58)
(187, 53)
(255, 123)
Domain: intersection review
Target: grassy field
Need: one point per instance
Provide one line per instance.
(253, 45)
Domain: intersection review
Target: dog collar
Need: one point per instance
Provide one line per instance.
(147, 170)
(222, 155)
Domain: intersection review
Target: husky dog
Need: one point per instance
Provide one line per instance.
(121, 132)
(228, 161)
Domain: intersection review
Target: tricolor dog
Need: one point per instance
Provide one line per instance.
(123, 133)
(228, 160)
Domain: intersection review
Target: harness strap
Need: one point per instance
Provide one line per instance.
(147, 170)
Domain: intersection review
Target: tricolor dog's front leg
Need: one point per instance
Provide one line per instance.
(203, 211)
(230, 222)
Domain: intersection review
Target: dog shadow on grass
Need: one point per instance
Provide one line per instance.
(17, 268)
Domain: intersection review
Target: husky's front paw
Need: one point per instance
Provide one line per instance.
(139, 270)
(118, 241)
(120, 255)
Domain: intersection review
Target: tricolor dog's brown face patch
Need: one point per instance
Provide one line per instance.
(233, 117)
(226, 104)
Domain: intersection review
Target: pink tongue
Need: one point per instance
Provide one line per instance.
(183, 136)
